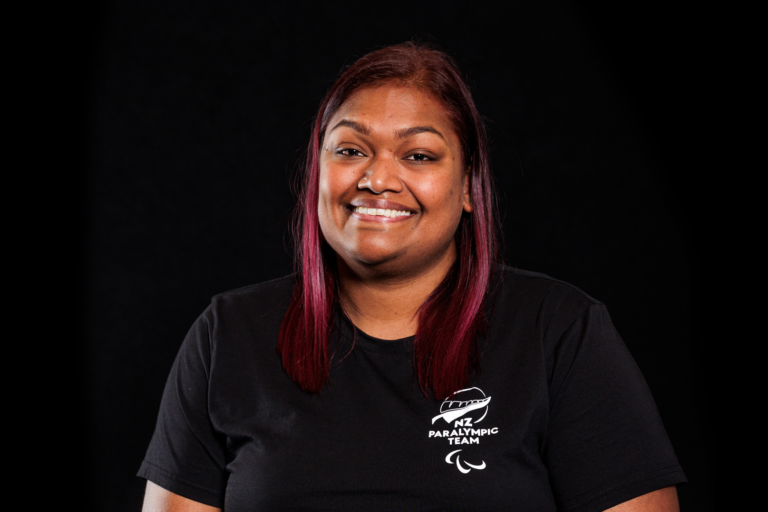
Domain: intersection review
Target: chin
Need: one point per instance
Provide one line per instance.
(380, 260)
(368, 250)
(374, 258)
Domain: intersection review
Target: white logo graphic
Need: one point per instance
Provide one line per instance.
(458, 463)
(452, 409)
(462, 411)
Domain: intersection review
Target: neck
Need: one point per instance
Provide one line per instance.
(386, 306)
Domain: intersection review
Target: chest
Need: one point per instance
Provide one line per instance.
(372, 440)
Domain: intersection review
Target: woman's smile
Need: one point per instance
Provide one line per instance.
(380, 210)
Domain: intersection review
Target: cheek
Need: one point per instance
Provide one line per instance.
(328, 225)
(333, 187)
(442, 195)
(327, 188)
(324, 189)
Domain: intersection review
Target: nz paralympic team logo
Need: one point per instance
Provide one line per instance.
(463, 410)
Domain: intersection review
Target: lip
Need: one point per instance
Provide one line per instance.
(384, 204)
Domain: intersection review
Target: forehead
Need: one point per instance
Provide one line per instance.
(391, 107)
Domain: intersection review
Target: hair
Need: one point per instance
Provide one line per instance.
(445, 350)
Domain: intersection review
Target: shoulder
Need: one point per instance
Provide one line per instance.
(525, 300)
(527, 285)
(268, 290)
(267, 299)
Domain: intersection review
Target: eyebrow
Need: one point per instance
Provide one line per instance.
(360, 128)
(401, 134)
(409, 132)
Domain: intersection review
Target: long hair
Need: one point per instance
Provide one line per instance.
(445, 349)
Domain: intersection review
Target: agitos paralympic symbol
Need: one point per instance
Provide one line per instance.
(458, 463)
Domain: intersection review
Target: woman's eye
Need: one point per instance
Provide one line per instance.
(350, 152)
(418, 157)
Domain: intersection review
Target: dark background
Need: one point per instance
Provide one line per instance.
(191, 117)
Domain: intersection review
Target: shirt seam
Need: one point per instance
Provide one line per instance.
(394, 347)
(554, 394)
(399, 350)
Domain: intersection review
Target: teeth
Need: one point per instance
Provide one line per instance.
(381, 212)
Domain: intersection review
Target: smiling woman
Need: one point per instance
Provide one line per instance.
(393, 189)
(398, 300)
(406, 135)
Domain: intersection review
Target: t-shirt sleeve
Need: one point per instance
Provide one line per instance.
(605, 442)
(186, 455)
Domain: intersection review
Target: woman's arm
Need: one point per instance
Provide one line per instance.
(663, 500)
(157, 499)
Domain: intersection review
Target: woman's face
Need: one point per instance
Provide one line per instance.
(392, 181)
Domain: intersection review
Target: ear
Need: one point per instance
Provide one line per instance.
(468, 190)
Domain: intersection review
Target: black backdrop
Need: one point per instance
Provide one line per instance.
(195, 115)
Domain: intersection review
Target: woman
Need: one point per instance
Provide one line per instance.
(411, 372)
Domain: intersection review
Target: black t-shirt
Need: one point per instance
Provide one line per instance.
(559, 418)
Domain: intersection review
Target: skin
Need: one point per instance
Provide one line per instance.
(157, 499)
(663, 500)
(392, 147)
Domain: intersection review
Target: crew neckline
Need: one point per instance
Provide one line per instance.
(359, 339)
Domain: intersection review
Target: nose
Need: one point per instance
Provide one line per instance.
(382, 176)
